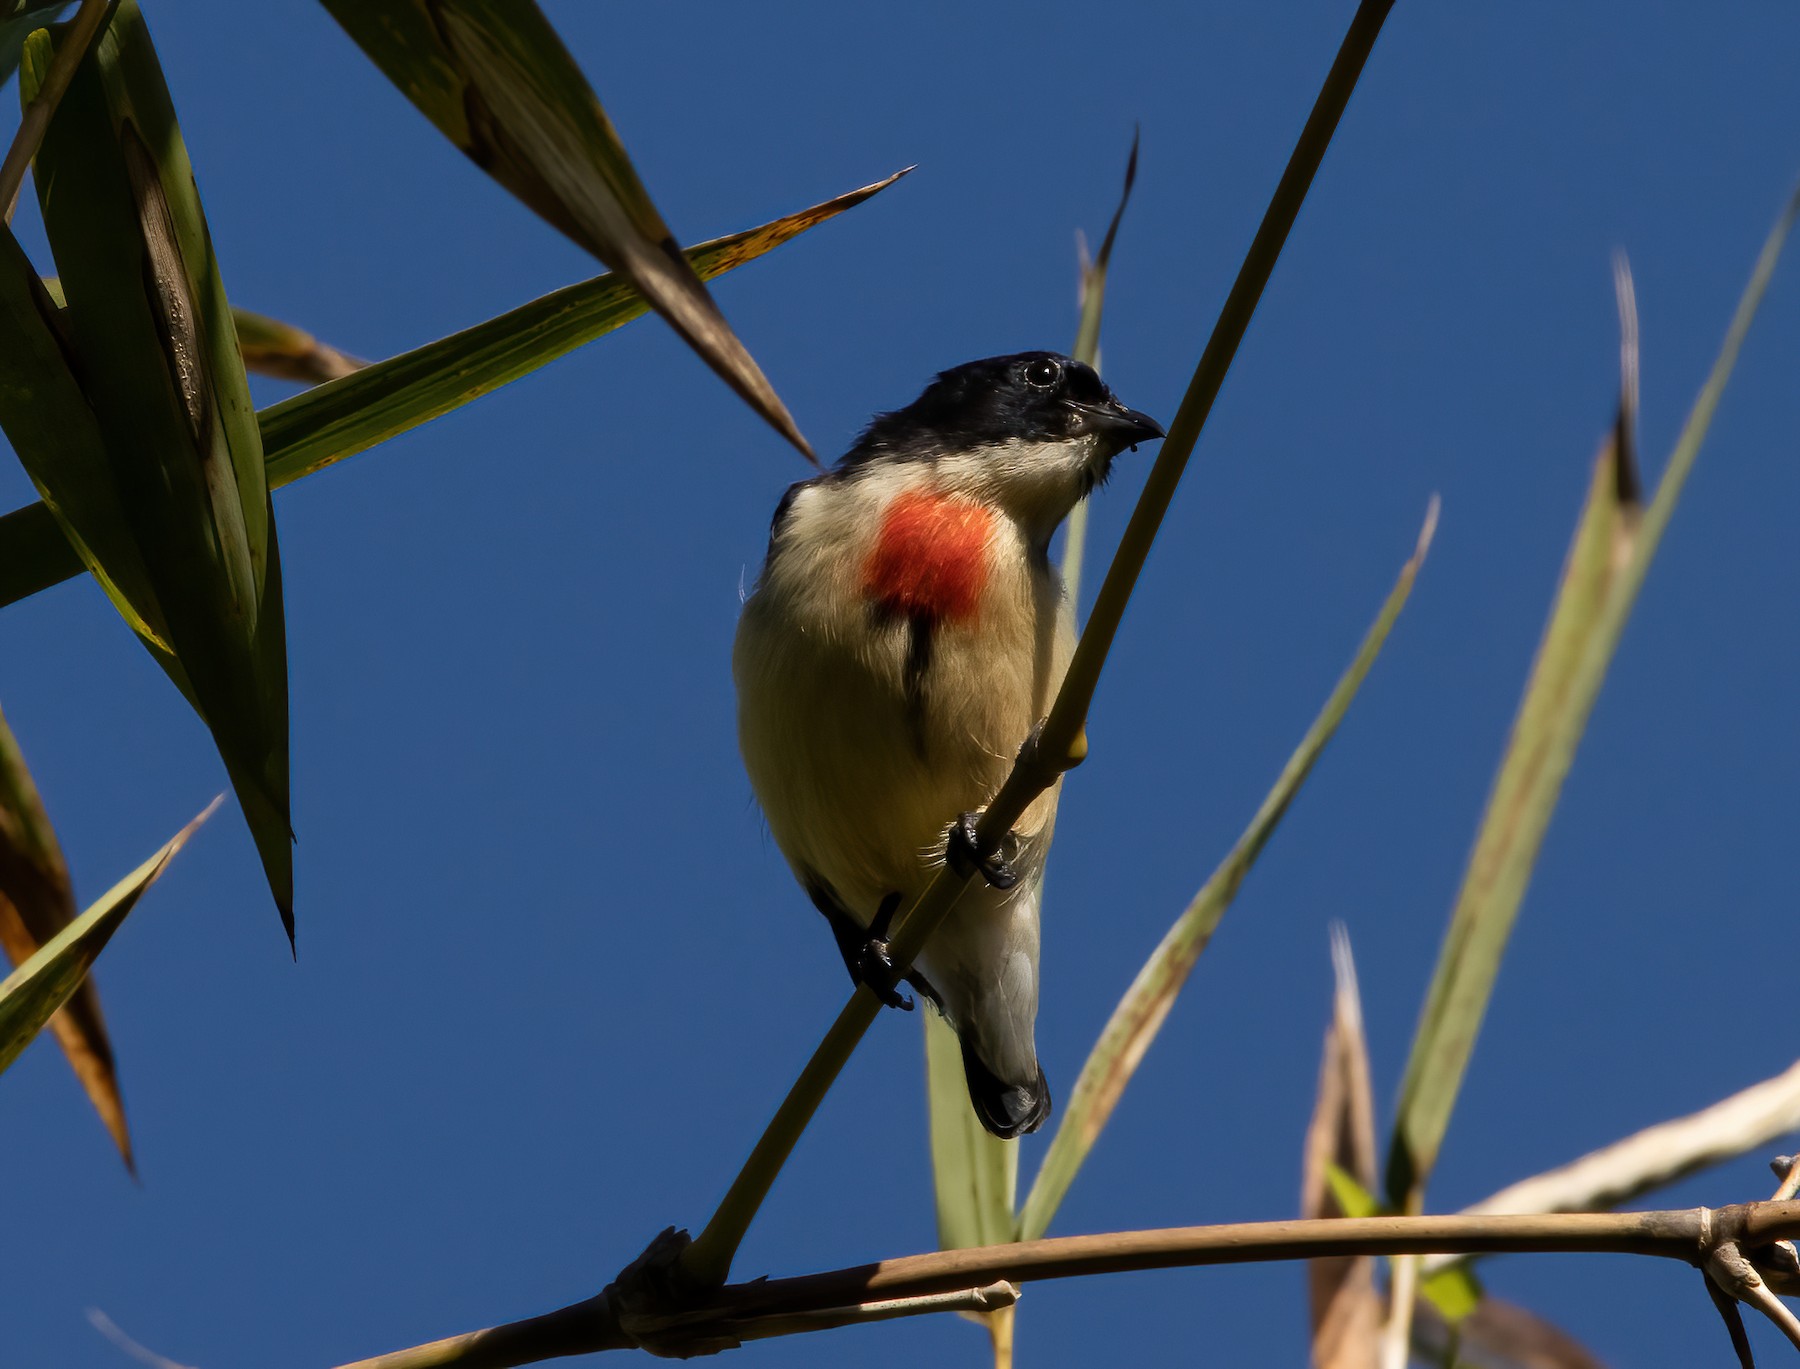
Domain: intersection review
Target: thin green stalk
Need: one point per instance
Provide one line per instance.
(1087, 349)
(707, 1262)
(1061, 742)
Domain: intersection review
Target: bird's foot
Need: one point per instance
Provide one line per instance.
(874, 966)
(963, 852)
(875, 971)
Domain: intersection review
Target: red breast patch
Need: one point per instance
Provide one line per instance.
(930, 557)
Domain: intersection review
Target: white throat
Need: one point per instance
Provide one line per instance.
(1035, 483)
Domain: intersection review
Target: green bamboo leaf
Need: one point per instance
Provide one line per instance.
(324, 425)
(1353, 1197)
(1141, 1012)
(36, 903)
(498, 82)
(34, 991)
(57, 439)
(148, 321)
(1454, 1291)
(1615, 540)
(975, 1174)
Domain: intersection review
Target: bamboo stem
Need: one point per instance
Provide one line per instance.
(912, 1284)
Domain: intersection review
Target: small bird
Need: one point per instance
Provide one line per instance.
(906, 634)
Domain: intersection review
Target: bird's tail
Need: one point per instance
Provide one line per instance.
(1006, 1110)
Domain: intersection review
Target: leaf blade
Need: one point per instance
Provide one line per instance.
(34, 991)
(310, 431)
(148, 320)
(36, 903)
(57, 439)
(974, 1174)
(1616, 537)
(495, 78)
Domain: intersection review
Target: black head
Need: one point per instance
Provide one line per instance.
(1037, 397)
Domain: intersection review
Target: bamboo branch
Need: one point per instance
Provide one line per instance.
(916, 1284)
(1061, 742)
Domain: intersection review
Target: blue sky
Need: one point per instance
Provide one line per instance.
(553, 976)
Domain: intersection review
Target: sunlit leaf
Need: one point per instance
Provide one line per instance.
(330, 422)
(36, 903)
(1455, 1292)
(34, 991)
(1350, 1195)
(1140, 1014)
(157, 360)
(498, 82)
(1615, 540)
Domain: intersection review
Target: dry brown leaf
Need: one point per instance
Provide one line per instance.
(1346, 1313)
(37, 902)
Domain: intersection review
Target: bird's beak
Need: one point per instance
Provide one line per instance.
(1114, 421)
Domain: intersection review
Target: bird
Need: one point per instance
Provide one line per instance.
(906, 633)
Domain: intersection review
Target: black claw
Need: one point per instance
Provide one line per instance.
(875, 970)
(961, 851)
(875, 965)
(865, 950)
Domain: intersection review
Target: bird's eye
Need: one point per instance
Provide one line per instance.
(1043, 373)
